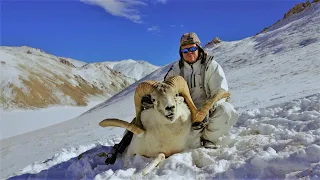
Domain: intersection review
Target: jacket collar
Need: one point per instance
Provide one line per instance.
(194, 65)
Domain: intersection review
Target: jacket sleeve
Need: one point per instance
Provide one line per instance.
(216, 79)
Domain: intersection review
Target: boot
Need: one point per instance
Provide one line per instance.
(200, 125)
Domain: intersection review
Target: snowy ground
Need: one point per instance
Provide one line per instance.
(281, 141)
(274, 82)
(16, 122)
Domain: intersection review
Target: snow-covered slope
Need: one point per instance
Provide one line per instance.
(132, 68)
(31, 78)
(279, 142)
(274, 63)
(274, 82)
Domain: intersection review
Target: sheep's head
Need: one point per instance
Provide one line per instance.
(165, 96)
(165, 99)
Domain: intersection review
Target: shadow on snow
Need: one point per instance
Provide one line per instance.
(86, 166)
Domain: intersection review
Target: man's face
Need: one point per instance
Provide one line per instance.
(187, 53)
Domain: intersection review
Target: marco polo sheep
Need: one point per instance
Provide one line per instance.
(165, 128)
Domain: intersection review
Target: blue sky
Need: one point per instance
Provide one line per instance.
(115, 30)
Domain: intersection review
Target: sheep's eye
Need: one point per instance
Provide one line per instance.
(153, 100)
(177, 95)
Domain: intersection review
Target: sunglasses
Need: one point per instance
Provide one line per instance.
(191, 49)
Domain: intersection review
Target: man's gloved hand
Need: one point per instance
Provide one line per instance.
(204, 123)
(200, 125)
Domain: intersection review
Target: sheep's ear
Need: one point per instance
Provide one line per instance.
(147, 99)
(146, 102)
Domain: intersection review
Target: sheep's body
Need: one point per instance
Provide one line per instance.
(163, 135)
(162, 138)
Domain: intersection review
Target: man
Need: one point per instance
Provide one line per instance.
(204, 77)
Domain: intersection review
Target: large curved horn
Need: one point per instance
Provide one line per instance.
(197, 115)
(181, 85)
(209, 104)
(120, 123)
(142, 89)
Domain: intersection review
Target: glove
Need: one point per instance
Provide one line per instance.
(204, 123)
(112, 156)
(200, 125)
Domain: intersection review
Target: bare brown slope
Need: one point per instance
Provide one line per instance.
(45, 81)
(41, 91)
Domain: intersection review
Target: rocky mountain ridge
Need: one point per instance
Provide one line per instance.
(32, 78)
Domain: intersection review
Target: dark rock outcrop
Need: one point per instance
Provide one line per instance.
(215, 41)
(66, 62)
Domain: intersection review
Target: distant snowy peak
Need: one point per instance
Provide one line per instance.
(132, 68)
(31, 78)
(40, 53)
(111, 64)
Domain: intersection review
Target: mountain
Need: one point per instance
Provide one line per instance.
(132, 68)
(283, 58)
(294, 10)
(274, 83)
(31, 78)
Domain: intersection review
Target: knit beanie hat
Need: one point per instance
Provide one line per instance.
(189, 38)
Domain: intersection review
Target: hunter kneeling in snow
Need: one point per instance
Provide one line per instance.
(205, 78)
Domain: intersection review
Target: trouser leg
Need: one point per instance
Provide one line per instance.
(220, 122)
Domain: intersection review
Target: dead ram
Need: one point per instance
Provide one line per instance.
(165, 128)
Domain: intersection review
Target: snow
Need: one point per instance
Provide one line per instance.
(9, 74)
(280, 141)
(18, 122)
(76, 63)
(132, 68)
(276, 137)
(275, 58)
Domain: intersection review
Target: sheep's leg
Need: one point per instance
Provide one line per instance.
(153, 164)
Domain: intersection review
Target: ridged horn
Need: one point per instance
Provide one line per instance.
(121, 123)
(209, 104)
(181, 85)
(142, 89)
